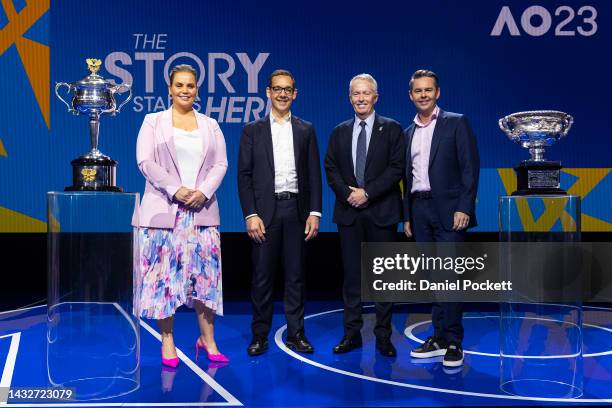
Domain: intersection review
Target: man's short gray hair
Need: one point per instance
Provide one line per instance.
(364, 77)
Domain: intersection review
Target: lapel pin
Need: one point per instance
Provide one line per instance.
(380, 128)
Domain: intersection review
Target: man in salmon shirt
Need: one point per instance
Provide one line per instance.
(442, 169)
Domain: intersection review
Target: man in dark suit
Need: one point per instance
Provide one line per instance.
(279, 183)
(364, 165)
(442, 169)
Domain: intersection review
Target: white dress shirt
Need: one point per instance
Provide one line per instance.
(285, 172)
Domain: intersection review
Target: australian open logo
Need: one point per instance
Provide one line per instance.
(228, 83)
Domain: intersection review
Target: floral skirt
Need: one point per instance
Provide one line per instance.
(178, 266)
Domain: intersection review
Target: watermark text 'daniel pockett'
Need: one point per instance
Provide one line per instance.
(487, 271)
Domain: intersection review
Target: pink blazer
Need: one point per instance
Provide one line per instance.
(156, 157)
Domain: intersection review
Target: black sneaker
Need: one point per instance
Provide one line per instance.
(432, 347)
(453, 356)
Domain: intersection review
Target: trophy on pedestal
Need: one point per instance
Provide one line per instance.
(535, 130)
(93, 96)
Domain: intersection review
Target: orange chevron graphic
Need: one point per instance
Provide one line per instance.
(34, 56)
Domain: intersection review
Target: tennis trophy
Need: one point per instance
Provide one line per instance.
(535, 130)
(93, 96)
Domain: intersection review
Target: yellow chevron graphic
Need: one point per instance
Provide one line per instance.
(12, 221)
(587, 180)
(2, 149)
(554, 210)
(508, 179)
(595, 224)
(54, 224)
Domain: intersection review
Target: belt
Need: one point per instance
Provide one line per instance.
(422, 195)
(285, 195)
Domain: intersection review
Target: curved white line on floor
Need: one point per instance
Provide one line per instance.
(278, 339)
(22, 309)
(408, 333)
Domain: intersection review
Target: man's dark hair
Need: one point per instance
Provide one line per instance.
(281, 72)
(421, 73)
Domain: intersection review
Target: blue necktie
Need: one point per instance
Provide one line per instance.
(360, 157)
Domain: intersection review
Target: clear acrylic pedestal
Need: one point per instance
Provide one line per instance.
(93, 338)
(540, 342)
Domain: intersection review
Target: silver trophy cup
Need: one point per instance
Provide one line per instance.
(93, 96)
(535, 130)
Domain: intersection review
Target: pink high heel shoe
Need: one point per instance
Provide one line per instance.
(217, 358)
(169, 362)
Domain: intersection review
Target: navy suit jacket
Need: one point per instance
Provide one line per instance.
(256, 169)
(454, 168)
(383, 171)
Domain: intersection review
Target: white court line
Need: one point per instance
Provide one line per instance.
(597, 308)
(130, 321)
(231, 400)
(601, 353)
(9, 365)
(278, 339)
(22, 310)
(279, 343)
(126, 404)
(408, 333)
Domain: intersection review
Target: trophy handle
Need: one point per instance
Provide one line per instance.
(569, 121)
(58, 85)
(125, 87)
(503, 124)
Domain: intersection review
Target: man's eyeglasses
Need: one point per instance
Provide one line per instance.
(278, 90)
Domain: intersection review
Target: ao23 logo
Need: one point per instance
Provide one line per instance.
(537, 21)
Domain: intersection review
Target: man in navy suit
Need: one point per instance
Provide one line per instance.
(442, 168)
(279, 183)
(364, 165)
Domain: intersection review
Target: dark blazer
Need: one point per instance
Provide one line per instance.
(383, 172)
(454, 167)
(256, 169)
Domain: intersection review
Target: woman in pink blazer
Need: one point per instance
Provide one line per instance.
(181, 154)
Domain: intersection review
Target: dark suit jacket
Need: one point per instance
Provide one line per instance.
(256, 169)
(383, 172)
(454, 167)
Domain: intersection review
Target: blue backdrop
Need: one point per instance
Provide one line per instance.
(493, 58)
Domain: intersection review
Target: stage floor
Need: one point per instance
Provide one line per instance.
(282, 378)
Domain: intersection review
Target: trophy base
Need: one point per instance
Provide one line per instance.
(93, 174)
(114, 189)
(538, 177)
